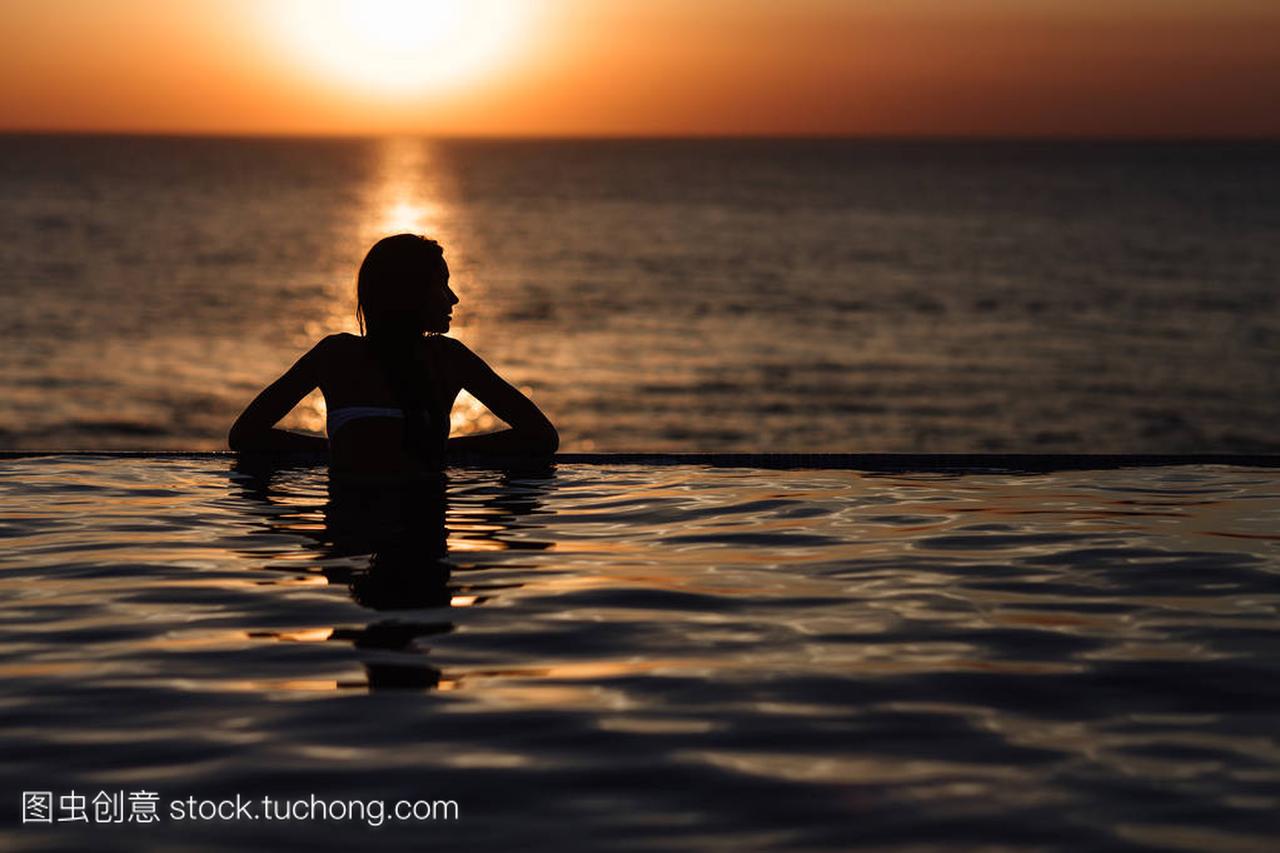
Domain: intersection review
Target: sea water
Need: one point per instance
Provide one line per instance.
(644, 658)
(781, 295)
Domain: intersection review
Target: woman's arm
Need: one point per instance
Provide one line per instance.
(531, 433)
(254, 429)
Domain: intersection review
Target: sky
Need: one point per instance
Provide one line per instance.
(1075, 68)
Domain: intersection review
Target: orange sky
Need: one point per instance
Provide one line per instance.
(661, 67)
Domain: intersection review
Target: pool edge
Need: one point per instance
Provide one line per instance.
(869, 462)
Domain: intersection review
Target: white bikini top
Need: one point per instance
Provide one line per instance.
(338, 418)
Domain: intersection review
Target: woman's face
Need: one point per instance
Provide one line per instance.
(437, 303)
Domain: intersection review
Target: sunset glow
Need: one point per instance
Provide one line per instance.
(394, 48)
(1168, 68)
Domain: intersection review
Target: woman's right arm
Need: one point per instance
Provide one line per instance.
(255, 429)
(531, 432)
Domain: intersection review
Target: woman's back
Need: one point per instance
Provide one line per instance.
(366, 423)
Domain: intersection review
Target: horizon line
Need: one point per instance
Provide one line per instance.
(656, 136)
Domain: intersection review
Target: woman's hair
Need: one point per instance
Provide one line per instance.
(393, 270)
(390, 274)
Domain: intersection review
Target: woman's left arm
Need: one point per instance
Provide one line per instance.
(531, 433)
(255, 429)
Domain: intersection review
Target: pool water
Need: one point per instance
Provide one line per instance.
(644, 658)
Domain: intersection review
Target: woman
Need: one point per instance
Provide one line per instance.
(389, 390)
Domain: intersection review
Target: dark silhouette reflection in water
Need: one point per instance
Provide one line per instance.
(402, 529)
(389, 546)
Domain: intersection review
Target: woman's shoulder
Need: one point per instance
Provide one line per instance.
(448, 344)
(461, 356)
(339, 339)
(331, 350)
(449, 348)
(339, 343)
(340, 347)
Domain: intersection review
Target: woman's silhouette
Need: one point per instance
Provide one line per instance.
(389, 391)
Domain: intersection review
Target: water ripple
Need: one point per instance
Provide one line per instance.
(766, 659)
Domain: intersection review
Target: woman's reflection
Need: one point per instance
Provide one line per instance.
(389, 546)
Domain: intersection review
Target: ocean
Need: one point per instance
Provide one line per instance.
(712, 295)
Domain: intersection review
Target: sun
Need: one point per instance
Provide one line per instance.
(402, 47)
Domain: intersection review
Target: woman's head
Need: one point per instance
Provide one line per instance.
(403, 287)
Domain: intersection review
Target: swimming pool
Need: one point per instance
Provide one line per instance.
(675, 657)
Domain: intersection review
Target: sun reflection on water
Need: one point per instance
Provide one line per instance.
(405, 216)
(409, 193)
